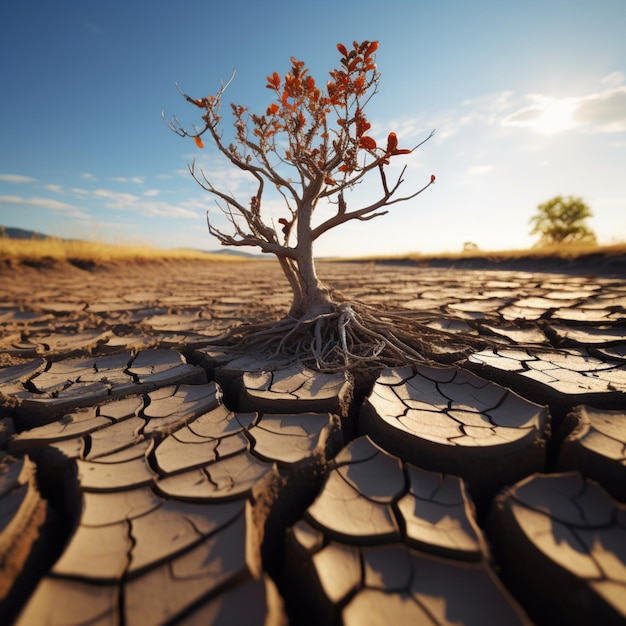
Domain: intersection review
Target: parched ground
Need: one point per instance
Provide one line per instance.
(148, 478)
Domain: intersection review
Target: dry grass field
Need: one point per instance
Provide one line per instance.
(87, 252)
(81, 251)
(568, 252)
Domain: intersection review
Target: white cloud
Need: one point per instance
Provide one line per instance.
(46, 203)
(165, 209)
(605, 111)
(615, 79)
(55, 188)
(407, 129)
(118, 200)
(477, 170)
(137, 180)
(152, 192)
(485, 110)
(544, 115)
(88, 176)
(129, 202)
(601, 111)
(17, 178)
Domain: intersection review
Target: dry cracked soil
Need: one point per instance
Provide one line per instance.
(147, 478)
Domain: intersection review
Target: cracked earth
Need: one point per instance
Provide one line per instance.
(148, 478)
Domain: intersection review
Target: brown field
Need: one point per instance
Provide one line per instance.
(137, 460)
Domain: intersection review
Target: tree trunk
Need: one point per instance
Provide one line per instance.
(313, 297)
(310, 296)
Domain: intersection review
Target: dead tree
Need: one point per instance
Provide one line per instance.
(312, 145)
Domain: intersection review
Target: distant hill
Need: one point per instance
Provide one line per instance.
(20, 233)
(235, 252)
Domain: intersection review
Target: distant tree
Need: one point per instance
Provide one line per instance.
(562, 221)
(311, 144)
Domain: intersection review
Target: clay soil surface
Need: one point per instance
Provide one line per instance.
(148, 478)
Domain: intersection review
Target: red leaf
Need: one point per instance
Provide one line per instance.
(272, 108)
(342, 49)
(392, 142)
(362, 125)
(274, 81)
(286, 224)
(199, 142)
(432, 178)
(367, 142)
(401, 151)
(371, 49)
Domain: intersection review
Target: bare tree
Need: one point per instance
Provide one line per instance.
(312, 145)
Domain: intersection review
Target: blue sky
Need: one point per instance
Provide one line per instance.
(528, 100)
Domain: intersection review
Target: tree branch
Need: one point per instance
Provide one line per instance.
(368, 212)
(262, 235)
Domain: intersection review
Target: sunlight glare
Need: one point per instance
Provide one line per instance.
(556, 117)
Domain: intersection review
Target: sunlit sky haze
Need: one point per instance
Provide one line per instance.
(528, 100)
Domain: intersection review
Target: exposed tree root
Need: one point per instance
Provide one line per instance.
(353, 335)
